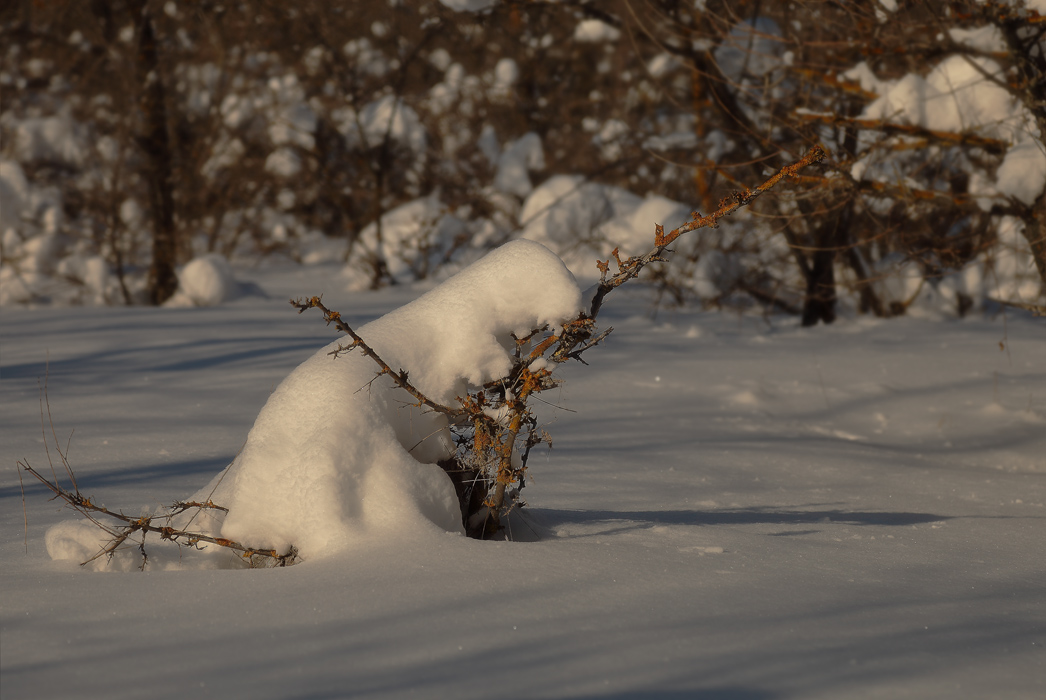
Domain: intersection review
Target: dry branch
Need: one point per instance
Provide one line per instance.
(487, 445)
(630, 268)
(400, 377)
(950, 138)
(145, 524)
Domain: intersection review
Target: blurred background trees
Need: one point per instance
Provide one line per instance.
(402, 139)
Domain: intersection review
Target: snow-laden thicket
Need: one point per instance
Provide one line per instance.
(337, 456)
(404, 142)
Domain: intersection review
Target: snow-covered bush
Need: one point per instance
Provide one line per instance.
(338, 455)
(206, 281)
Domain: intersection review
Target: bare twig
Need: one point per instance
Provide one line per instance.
(144, 524)
(630, 268)
(400, 378)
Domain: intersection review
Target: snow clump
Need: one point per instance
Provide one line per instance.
(468, 5)
(415, 238)
(595, 31)
(957, 96)
(206, 281)
(516, 161)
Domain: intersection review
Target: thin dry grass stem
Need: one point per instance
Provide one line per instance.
(54, 435)
(25, 515)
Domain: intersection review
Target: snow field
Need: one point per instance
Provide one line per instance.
(733, 507)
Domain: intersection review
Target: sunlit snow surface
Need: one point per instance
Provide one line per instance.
(733, 508)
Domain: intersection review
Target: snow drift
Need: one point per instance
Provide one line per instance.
(336, 456)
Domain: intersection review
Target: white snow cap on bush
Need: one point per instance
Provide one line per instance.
(414, 237)
(519, 157)
(468, 5)
(594, 31)
(336, 456)
(582, 221)
(58, 138)
(569, 215)
(390, 116)
(206, 281)
(956, 96)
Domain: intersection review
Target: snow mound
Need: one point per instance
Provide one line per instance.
(335, 453)
(468, 5)
(387, 117)
(338, 457)
(584, 221)
(595, 31)
(206, 281)
(570, 216)
(415, 238)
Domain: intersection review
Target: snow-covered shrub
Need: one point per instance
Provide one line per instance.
(338, 456)
(206, 281)
(411, 241)
(569, 215)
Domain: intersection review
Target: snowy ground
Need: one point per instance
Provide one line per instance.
(733, 509)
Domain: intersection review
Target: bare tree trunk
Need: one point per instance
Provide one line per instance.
(831, 237)
(819, 304)
(1030, 61)
(155, 142)
(1035, 231)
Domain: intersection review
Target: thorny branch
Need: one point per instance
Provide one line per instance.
(400, 377)
(630, 268)
(148, 523)
(496, 419)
